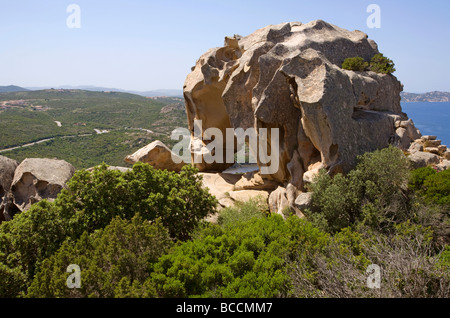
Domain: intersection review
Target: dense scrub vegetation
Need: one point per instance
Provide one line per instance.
(141, 234)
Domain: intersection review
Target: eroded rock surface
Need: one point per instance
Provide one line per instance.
(289, 76)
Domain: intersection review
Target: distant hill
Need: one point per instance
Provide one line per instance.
(12, 88)
(426, 97)
(151, 93)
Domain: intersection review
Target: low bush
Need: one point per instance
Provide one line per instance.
(378, 63)
(381, 64)
(374, 194)
(355, 64)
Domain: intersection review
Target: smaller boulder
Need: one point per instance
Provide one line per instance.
(434, 150)
(412, 132)
(432, 143)
(158, 155)
(416, 145)
(403, 141)
(421, 159)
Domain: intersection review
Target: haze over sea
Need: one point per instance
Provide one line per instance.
(430, 119)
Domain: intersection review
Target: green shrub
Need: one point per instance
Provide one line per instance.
(355, 64)
(437, 187)
(431, 185)
(381, 64)
(418, 177)
(378, 63)
(114, 261)
(90, 202)
(374, 194)
(93, 199)
(30, 237)
(244, 260)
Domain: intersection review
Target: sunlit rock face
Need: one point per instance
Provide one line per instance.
(289, 76)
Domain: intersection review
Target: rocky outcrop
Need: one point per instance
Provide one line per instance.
(7, 168)
(34, 180)
(157, 155)
(289, 77)
(428, 151)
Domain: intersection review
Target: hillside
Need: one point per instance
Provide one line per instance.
(426, 97)
(74, 121)
(12, 88)
(151, 93)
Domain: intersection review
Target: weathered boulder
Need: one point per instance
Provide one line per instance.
(421, 159)
(7, 168)
(415, 146)
(36, 179)
(405, 133)
(289, 77)
(158, 155)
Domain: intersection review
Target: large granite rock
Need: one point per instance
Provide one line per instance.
(34, 180)
(7, 168)
(289, 76)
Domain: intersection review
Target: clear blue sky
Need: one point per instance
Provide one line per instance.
(145, 45)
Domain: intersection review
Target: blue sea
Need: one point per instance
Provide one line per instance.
(430, 119)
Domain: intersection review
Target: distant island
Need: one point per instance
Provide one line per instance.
(426, 97)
